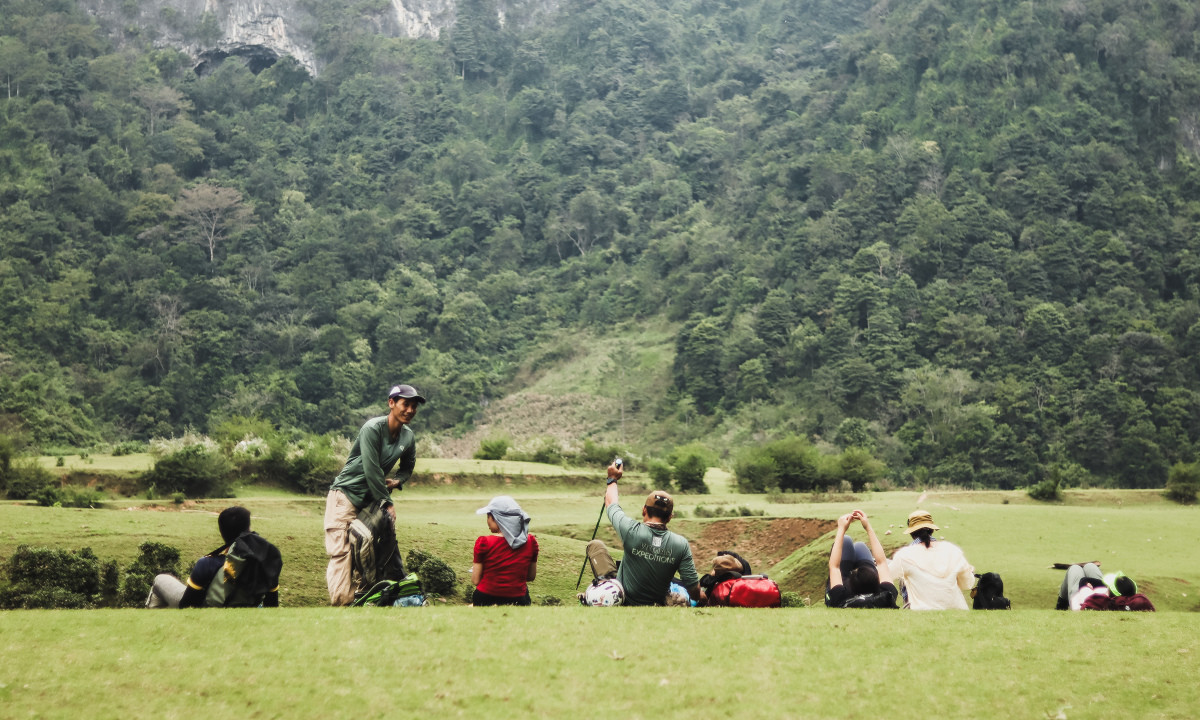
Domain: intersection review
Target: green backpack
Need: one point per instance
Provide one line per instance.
(387, 592)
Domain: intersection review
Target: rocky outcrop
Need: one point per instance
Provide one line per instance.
(259, 32)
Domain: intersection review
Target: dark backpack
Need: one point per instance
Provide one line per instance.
(988, 593)
(750, 591)
(251, 570)
(374, 552)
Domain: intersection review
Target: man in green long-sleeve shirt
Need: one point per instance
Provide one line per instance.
(382, 443)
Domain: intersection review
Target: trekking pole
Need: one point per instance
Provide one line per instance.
(585, 558)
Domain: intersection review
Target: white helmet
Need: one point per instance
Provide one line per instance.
(604, 593)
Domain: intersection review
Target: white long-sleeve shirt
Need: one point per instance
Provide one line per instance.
(933, 576)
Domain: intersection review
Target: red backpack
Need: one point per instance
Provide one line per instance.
(751, 591)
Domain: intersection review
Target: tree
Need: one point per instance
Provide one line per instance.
(212, 213)
(161, 101)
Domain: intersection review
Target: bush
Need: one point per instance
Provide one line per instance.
(493, 448)
(195, 470)
(690, 463)
(755, 470)
(791, 599)
(1047, 490)
(51, 578)
(548, 452)
(437, 578)
(129, 447)
(660, 474)
(8, 451)
(859, 468)
(53, 496)
(1183, 483)
(594, 454)
(313, 464)
(156, 558)
(26, 480)
(719, 511)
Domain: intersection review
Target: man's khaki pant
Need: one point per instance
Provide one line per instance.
(601, 560)
(339, 513)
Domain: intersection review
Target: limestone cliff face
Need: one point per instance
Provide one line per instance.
(261, 31)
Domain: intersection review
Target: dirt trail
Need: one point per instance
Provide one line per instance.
(763, 542)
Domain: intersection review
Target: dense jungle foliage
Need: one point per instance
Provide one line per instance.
(958, 235)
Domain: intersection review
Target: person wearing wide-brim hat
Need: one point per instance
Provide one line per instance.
(933, 574)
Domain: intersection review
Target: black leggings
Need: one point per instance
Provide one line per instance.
(480, 599)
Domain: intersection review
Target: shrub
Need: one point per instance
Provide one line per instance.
(690, 463)
(53, 496)
(8, 450)
(755, 470)
(313, 463)
(594, 454)
(129, 447)
(548, 452)
(27, 479)
(791, 599)
(51, 578)
(1183, 482)
(660, 474)
(1046, 490)
(859, 468)
(493, 448)
(156, 558)
(437, 578)
(719, 511)
(110, 584)
(195, 470)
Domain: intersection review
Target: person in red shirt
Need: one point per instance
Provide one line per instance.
(505, 561)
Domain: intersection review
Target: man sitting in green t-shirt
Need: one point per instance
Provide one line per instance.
(653, 554)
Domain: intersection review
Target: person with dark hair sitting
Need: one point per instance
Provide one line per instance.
(256, 574)
(868, 583)
(932, 573)
(653, 554)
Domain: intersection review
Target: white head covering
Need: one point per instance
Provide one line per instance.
(513, 521)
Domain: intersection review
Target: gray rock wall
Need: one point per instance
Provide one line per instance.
(261, 30)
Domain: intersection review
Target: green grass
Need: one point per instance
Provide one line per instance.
(306, 660)
(1129, 530)
(133, 464)
(582, 662)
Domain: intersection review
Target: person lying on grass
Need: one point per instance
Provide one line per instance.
(1084, 588)
(864, 582)
(243, 572)
(505, 561)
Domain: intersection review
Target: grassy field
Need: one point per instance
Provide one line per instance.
(306, 660)
(583, 662)
(1134, 531)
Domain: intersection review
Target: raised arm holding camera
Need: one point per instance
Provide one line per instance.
(653, 554)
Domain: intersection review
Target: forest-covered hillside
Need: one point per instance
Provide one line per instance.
(962, 235)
